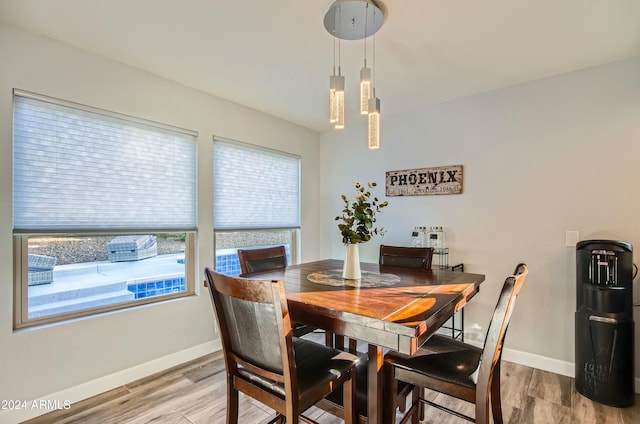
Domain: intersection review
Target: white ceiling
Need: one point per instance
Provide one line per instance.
(275, 56)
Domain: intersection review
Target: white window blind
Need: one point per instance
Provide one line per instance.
(254, 188)
(77, 168)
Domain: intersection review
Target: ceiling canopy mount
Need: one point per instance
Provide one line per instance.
(354, 19)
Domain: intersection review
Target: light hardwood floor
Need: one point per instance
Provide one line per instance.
(194, 393)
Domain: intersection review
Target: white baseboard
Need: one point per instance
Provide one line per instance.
(546, 364)
(540, 362)
(110, 382)
(86, 390)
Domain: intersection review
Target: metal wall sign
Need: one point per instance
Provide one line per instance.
(425, 181)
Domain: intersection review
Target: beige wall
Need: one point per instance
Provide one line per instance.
(539, 159)
(77, 359)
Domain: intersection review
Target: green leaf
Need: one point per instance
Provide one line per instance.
(358, 216)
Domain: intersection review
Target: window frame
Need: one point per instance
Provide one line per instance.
(21, 287)
(20, 239)
(294, 234)
(294, 231)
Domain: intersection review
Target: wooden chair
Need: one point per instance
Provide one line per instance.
(264, 361)
(454, 368)
(406, 257)
(266, 259)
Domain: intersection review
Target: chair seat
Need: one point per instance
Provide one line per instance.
(361, 388)
(440, 358)
(300, 329)
(318, 368)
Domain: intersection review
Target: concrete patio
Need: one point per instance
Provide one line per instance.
(87, 285)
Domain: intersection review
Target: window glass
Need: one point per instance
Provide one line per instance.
(228, 243)
(69, 274)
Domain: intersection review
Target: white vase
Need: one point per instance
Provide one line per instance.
(351, 267)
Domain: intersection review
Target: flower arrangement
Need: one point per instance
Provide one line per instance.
(358, 217)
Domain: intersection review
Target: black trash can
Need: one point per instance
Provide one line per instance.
(604, 322)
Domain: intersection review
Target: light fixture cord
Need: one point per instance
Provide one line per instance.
(373, 68)
(339, 45)
(335, 23)
(366, 18)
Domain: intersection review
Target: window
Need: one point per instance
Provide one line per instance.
(104, 210)
(256, 196)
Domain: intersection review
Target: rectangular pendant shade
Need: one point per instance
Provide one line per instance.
(338, 102)
(374, 123)
(333, 112)
(365, 90)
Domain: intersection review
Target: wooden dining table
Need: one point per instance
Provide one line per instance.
(389, 308)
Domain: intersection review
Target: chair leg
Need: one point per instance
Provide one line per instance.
(390, 394)
(353, 345)
(482, 406)
(349, 400)
(328, 339)
(338, 342)
(292, 414)
(232, 402)
(416, 414)
(278, 419)
(391, 400)
(496, 402)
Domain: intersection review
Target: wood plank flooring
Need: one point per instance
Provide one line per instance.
(195, 393)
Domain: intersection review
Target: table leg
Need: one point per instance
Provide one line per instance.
(375, 385)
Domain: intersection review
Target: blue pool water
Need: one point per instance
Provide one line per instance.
(156, 288)
(227, 262)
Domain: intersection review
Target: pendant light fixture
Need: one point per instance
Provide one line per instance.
(336, 100)
(333, 110)
(365, 72)
(354, 20)
(373, 125)
(336, 84)
(373, 118)
(365, 88)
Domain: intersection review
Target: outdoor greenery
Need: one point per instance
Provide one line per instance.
(359, 216)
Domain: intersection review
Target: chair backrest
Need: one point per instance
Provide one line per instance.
(406, 257)
(496, 332)
(255, 327)
(256, 260)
